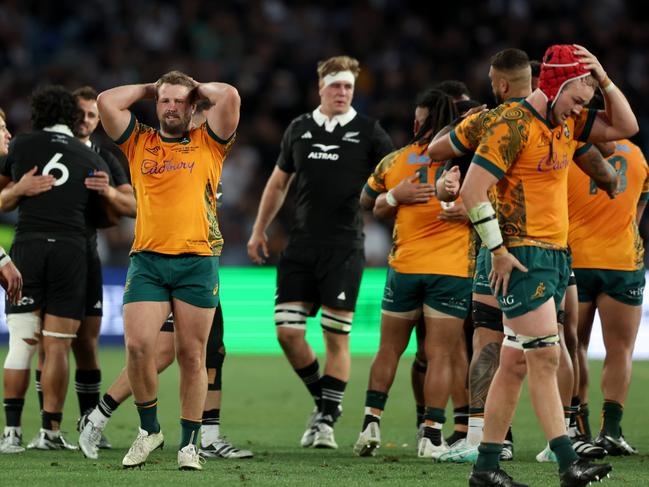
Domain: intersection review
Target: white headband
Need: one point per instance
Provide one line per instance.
(339, 76)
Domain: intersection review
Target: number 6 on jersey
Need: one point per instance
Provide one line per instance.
(54, 164)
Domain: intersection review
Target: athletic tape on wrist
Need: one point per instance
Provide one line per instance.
(390, 199)
(485, 222)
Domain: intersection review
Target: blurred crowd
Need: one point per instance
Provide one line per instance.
(269, 49)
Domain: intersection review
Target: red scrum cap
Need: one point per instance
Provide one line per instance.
(560, 65)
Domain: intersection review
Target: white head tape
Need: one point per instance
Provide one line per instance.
(339, 76)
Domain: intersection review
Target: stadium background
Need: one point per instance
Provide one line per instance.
(268, 49)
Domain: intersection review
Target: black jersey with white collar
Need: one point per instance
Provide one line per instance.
(330, 169)
(61, 210)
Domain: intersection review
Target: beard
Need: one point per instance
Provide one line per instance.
(175, 126)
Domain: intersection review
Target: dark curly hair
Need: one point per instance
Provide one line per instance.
(53, 105)
(441, 112)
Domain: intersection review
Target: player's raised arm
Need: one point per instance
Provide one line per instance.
(223, 115)
(114, 106)
(617, 121)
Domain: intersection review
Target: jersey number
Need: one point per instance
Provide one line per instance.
(423, 174)
(53, 165)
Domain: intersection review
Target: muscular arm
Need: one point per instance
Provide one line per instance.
(382, 209)
(441, 148)
(28, 185)
(114, 106)
(272, 200)
(223, 115)
(122, 200)
(594, 165)
(617, 121)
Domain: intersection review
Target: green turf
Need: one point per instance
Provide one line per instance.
(265, 408)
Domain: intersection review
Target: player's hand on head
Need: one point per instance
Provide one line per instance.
(258, 248)
(12, 281)
(410, 192)
(591, 62)
(31, 184)
(502, 266)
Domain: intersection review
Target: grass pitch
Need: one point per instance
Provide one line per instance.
(264, 409)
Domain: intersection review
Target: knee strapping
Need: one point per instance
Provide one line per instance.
(56, 334)
(486, 316)
(532, 343)
(419, 365)
(23, 338)
(291, 316)
(336, 323)
(511, 340)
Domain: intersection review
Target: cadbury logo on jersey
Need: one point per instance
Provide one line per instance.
(150, 166)
(552, 164)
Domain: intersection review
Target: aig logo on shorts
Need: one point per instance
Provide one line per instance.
(636, 292)
(506, 300)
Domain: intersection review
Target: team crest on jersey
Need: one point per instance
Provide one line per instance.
(540, 291)
(153, 150)
(351, 137)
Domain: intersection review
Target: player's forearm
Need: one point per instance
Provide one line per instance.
(600, 171)
(9, 198)
(219, 93)
(122, 200)
(272, 200)
(382, 209)
(618, 111)
(122, 97)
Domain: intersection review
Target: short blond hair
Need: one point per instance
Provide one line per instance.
(2, 115)
(337, 64)
(174, 78)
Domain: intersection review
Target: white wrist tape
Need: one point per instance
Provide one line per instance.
(484, 220)
(390, 199)
(4, 258)
(339, 76)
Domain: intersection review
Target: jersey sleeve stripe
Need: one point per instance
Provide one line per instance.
(216, 137)
(127, 133)
(583, 149)
(589, 125)
(457, 145)
(488, 165)
(371, 192)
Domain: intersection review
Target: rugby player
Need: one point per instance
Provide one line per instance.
(174, 261)
(431, 266)
(527, 152)
(329, 152)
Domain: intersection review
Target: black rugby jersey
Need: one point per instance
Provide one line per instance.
(330, 171)
(61, 211)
